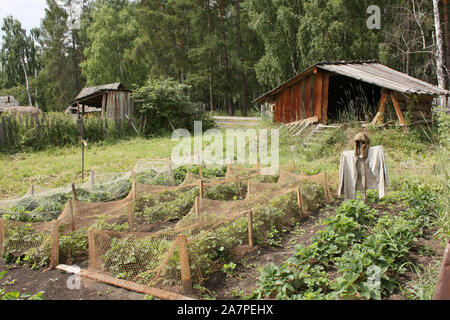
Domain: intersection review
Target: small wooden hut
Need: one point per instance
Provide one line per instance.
(112, 101)
(323, 89)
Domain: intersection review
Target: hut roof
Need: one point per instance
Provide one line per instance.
(8, 101)
(89, 91)
(369, 71)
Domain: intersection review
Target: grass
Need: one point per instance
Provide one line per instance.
(58, 167)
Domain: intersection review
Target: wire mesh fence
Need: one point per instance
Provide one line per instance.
(164, 235)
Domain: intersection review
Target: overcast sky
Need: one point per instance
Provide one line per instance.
(28, 12)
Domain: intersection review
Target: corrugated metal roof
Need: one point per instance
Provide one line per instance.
(89, 91)
(369, 71)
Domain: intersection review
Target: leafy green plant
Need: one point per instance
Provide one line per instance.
(16, 295)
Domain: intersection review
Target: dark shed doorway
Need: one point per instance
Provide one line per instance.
(350, 100)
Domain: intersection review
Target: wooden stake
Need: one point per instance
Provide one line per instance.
(196, 205)
(184, 264)
(398, 111)
(250, 229)
(381, 109)
(134, 191)
(364, 180)
(92, 251)
(130, 215)
(32, 189)
(248, 188)
(299, 202)
(293, 166)
(74, 191)
(2, 235)
(201, 189)
(54, 260)
(200, 170)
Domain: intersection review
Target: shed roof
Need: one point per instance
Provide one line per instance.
(89, 91)
(5, 104)
(369, 71)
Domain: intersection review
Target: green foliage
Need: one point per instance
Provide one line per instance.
(127, 258)
(165, 205)
(23, 244)
(367, 252)
(165, 103)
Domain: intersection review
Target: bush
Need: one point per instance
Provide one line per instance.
(164, 104)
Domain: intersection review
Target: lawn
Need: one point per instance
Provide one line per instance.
(60, 166)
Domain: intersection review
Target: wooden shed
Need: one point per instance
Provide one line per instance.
(112, 101)
(324, 89)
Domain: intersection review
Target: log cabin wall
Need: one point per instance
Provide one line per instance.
(304, 99)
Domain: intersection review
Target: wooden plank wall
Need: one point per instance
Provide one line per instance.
(119, 103)
(306, 98)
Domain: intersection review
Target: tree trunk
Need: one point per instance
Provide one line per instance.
(243, 75)
(447, 40)
(439, 49)
(26, 81)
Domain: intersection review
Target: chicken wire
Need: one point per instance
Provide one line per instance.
(30, 241)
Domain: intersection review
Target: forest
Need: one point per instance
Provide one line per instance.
(227, 52)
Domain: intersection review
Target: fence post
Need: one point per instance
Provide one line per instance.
(74, 191)
(200, 171)
(184, 264)
(2, 235)
(32, 190)
(130, 215)
(238, 185)
(250, 228)
(92, 251)
(196, 205)
(248, 188)
(299, 202)
(54, 260)
(201, 189)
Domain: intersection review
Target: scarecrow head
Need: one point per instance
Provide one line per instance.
(362, 145)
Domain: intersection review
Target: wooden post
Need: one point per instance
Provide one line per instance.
(184, 264)
(398, 111)
(293, 166)
(134, 191)
(299, 202)
(381, 109)
(201, 188)
(74, 191)
(54, 260)
(130, 215)
(82, 160)
(238, 181)
(2, 235)
(200, 170)
(250, 229)
(32, 189)
(248, 189)
(364, 180)
(196, 205)
(92, 253)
